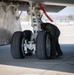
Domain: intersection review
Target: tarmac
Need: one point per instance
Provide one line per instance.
(31, 65)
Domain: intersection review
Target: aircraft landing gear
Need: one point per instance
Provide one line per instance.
(28, 44)
(43, 45)
(21, 44)
(25, 43)
(16, 46)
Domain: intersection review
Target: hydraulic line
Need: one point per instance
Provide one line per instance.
(41, 7)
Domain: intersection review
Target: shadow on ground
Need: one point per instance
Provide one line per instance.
(64, 64)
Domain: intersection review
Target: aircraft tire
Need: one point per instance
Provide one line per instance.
(16, 46)
(42, 47)
(28, 34)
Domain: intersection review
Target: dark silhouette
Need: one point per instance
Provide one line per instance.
(54, 33)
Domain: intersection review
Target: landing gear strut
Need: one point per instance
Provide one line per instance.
(26, 43)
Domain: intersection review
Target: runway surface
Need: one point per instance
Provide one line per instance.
(33, 66)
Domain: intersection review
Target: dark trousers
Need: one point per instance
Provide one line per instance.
(55, 47)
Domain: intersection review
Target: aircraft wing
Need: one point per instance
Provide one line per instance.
(49, 5)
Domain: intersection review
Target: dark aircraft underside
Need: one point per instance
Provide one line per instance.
(49, 5)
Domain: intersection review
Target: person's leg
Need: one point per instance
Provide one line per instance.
(58, 49)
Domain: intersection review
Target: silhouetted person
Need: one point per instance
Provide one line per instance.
(54, 33)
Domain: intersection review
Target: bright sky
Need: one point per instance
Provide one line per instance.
(67, 11)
